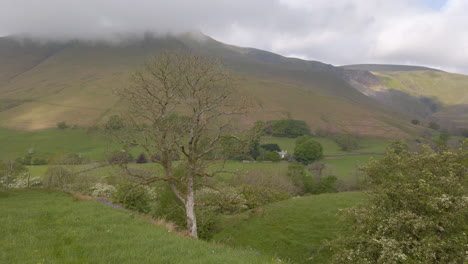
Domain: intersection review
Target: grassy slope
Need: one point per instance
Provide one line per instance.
(34, 231)
(75, 83)
(293, 229)
(49, 142)
(449, 88)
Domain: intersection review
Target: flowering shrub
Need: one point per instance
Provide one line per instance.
(21, 182)
(102, 190)
(416, 213)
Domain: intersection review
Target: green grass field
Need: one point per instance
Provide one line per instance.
(293, 230)
(343, 167)
(39, 226)
(49, 142)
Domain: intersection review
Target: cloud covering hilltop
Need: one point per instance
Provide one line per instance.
(423, 32)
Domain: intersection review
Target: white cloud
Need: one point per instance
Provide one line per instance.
(338, 32)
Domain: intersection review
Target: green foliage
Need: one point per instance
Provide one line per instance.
(415, 122)
(347, 142)
(58, 177)
(307, 150)
(115, 122)
(416, 212)
(258, 196)
(168, 206)
(442, 140)
(287, 128)
(133, 197)
(270, 147)
(298, 174)
(327, 184)
(62, 125)
(272, 156)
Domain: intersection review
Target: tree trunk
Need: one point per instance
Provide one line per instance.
(190, 209)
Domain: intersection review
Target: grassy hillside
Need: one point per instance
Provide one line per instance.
(73, 82)
(418, 91)
(46, 143)
(73, 231)
(292, 230)
(448, 88)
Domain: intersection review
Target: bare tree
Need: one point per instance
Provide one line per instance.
(179, 110)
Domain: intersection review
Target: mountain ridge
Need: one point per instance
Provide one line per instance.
(75, 84)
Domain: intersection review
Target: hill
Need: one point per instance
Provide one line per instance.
(422, 92)
(73, 82)
(387, 67)
(293, 230)
(73, 231)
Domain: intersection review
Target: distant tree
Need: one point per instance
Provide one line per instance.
(415, 122)
(347, 142)
(416, 211)
(270, 147)
(433, 125)
(287, 128)
(141, 158)
(115, 122)
(62, 125)
(308, 151)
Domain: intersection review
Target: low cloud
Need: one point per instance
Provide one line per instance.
(421, 32)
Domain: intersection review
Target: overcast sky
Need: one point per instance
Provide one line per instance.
(420, 32)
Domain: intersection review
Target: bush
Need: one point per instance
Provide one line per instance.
(225, 199)
(415, 122)
(58, 177)
(120, 157)
(271, 147)
(272, 156)
(327, 184)
(115, 122)
(258, 196)
(298, 175)
(168, 206)
(347, 142)
(102, 190)
(62, 125)
(433, 125)
(39, 161)
(416, 211)
(275, 180)
(141, 159)
(66, 159)
(307, 150)
(207, 223)
(287, 128)
(133, 197)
